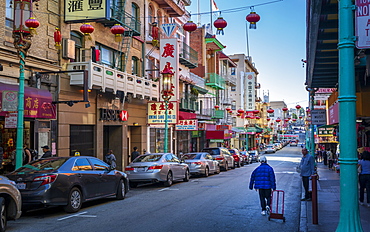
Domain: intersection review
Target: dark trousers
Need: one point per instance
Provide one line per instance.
(331, 162)
(265, 197)
(325, 159)
(364, 183)
(305, 181)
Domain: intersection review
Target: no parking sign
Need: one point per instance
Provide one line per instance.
(10, 101)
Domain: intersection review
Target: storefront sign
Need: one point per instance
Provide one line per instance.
(216, 140)
(123, 115)
(10, 101)
(325, 131)
(82, 10)
(187, 125)
(169, 55)
(251, 86)
(318, 117)
(362, 24)
(112, 115)
(11, 120)
(157, 112)
(334, 114)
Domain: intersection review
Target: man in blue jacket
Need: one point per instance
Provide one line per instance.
(263, 180)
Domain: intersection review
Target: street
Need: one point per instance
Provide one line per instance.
(220, 202)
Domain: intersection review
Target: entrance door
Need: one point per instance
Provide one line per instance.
(112, 139)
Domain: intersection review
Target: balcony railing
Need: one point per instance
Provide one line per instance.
(119, 15)
(189, 104)
(103, 77)
(199, 81)
(230, 79)
(188, 56)
(215, 81)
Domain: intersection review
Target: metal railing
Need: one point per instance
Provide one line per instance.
(189, 54)
(214, 80)
(199, 81)
(126, 19)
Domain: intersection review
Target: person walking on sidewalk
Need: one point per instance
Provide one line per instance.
(330, 158)
(307, 167)
(263, 180)
(364, 177)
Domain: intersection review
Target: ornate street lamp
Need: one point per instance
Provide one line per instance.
(167, 93)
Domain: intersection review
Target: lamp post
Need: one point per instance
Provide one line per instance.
(167, 93)
(22, 42)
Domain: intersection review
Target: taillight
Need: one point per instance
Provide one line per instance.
(46, 179)
(128, 168)
(219, 158)
(155, 167)
(197, 163)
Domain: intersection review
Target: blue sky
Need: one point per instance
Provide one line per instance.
(277, 46)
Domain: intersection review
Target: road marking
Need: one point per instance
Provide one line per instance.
(287, 172)
(167, 189)
(77, 215)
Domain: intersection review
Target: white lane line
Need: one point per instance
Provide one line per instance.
(167, 189)
(74, 215)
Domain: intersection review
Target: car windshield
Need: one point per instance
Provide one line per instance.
(192, 156)
(270, 146)
(42, 165)
(211, 151)
(147, 158)
(232, 152)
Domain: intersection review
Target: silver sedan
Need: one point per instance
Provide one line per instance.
(201, 163)
(157, 167)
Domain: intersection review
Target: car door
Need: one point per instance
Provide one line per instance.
(229, 157)
(174, 166)
(210, 162)
(107, 179)
(85, 176)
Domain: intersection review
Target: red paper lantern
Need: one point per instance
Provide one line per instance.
(297, 107)
(257, 117)
(87, 29)
(286, 120)
(270, 111)
(240, 111)
(252, 117)
(220, 24)
(253, 18)
(230, 112)
(256, 111)
(117, 30)
(300, 117)
(247, 116)
(238, 115)
(278, 120)
(190, 26)
(285, 109)
(294, 119)
(228, 109)
(57, 38)
(268, 119)
(216, 107)
(32, 24)
(272, 124)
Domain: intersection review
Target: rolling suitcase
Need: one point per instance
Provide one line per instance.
(277, 205)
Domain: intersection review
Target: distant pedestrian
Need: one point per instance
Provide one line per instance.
(324, 156)
(27, 154)
(110, 158)
(134, 154)
(47, 152)
(263, 180)
(364, 177)
(307, 167)
(330, 156)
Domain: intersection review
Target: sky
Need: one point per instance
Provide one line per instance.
(277, 46)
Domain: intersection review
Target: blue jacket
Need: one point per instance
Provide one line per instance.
(263, 177)
(307, 165)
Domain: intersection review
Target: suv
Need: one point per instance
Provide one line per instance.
(222, 155)
(238, 158)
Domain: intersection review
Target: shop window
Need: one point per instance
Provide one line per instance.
(81, 140)
(135, 65)
(9, 17)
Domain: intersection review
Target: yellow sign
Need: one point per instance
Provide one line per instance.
(84, 10)
(157, 112)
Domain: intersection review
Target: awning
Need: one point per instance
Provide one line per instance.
(200, 89)
(186, 115)
(37, 102)
(251, 130)
(236, 130)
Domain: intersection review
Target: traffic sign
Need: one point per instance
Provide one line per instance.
(318, 117)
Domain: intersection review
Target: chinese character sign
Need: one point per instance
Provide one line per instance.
(189, 124)
(169, 56)
(80, 10)
(250, 83)
(157, 111)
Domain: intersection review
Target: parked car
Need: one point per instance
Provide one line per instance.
(222, 155)
(270, 149)
(246, 157)
(254, 155)
(201, 163)
(68, 181)
(293, 143)
(238, 159)
(157, 167)
(278, 146)
(10, 201)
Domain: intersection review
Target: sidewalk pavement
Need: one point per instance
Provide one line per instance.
(328, 204)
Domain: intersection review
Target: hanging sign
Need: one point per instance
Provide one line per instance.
(11, 120)
(157, 112)
(188, 125)
(10, 101)
(362, 24)
(81, 11)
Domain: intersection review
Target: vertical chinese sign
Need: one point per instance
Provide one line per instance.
(250, 83)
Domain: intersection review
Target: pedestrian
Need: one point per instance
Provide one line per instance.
(324, 156)
(364, 177)
(263, 180)
(330, 156)
(110, 158)
(134, 154)
(27, 154)
(47, 152)
(307, 167)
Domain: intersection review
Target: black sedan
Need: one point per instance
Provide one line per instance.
(68, 181)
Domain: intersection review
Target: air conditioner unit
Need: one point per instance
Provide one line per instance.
(68, 47)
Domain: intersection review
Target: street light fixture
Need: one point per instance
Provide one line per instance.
(167, 93)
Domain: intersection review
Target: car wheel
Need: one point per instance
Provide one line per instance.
(74, 201)
(242, 164)
(206, 172)
(226, 166)
(169, 180)
(218, 169)
(187, 176)
(233, 167)
(133, 184)
(3, 220)
(121, 190)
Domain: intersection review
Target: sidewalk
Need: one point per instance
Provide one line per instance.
(328, 204)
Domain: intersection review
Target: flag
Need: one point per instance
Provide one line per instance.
(214, 6)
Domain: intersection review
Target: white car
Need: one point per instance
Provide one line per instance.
(270, 149)
(293, 143)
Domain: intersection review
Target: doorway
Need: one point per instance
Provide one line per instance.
(112, 139)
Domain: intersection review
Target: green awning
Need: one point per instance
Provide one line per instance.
(200, 89)
(252, 129)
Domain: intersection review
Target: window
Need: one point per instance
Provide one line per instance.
(9, 17)
(99, 165)
(233, 71)
(79, 53)
(135, 65)
(82, 165)
(110, 57)
(233, 88)
(151, 17)
(135, 14)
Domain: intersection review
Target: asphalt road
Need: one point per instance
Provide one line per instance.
(220, 202)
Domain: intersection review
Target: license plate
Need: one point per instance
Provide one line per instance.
(21, 185)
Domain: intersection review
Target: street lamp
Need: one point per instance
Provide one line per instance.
(167, 93)
(22, 42)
